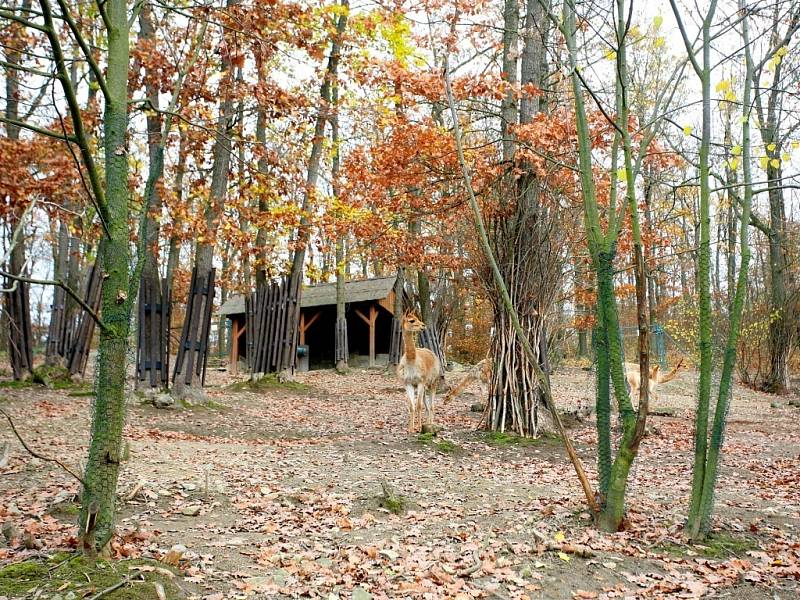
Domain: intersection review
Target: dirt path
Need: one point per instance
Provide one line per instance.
(286, 486)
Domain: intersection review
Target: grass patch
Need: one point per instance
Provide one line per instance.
(13, 384)
(268, 382)
(62, 575)
(506, 439)
(718, 545)
(443, 446)
(392, 501)
(84, 393)
(207, 404)
(723, 545)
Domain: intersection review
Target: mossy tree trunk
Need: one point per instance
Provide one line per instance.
(102, 467)
(708, 451)
(602, 249)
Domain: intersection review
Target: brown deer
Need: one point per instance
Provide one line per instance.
(481, 372)
(634, 380)
(419, 371)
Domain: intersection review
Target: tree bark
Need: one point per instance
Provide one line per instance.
(204, 249)
(312, 173)
(102, 466)
(18, 315)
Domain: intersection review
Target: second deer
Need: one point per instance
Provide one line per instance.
(419, 371)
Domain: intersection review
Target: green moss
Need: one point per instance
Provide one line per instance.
(504, 439)
(268, 383)
(723, 545)
(83, 578)
(52, 376)
(17, 579)
(719, 545)
(207, 404)
(443, 446)
(13, 384)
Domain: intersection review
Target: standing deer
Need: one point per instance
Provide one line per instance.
(419, 371)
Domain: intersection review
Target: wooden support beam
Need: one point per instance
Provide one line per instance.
(304, 325)
(373, 316)
(370, 321)
(235, 347)
(302, 328)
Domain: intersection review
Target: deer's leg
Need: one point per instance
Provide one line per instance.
(432, 407)
(412, 420)
(420, 401)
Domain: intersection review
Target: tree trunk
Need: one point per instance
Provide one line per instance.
(174, 254)
(102, 466)
(523, 243)
(342, 349)
(204, 249)
(156, 162)
(18, 313)
(312, 174)
(782, 322)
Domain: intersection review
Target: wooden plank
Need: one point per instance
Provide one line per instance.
(363, 317)
(167, 313)
(181, 355)
(209, 304)
(279, 331)
(248, 317)
(293, 329)
(267, 317)
(139, 333)
(195, 318)
(284, 331)
(388, 302)
(234, 346)
(373, 315)
(155, 299)
(302, 328)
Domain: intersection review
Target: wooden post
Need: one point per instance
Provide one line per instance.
(304, 325)
(235, 347)
(373, 317)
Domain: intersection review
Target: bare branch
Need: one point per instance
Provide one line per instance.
(72, 293)
(36, 454)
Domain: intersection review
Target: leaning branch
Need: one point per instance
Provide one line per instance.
(98, 192)
(36, 454)
(501, 285)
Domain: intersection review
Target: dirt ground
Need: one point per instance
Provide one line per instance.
(282, 492)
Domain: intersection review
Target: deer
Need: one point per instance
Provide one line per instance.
(419, 371)
(481, 372)
(634, 380)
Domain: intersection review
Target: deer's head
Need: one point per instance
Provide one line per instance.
(412, 322)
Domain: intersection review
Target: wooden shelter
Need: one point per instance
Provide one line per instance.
(369, 310)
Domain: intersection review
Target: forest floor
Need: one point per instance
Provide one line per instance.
(279, 492)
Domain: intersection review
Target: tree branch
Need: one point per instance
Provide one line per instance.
(12, 17)
(40, 130)
(40, 456)
(73, 26)
(98, 192)
(72, 293)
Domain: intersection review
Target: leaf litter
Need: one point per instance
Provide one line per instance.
(275, 494)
